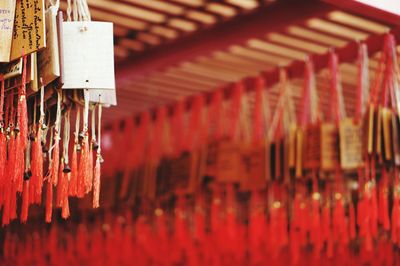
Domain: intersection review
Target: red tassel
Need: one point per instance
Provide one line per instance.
(89, 177)
(55, 162)
(178, 128)
(49, 201)
(13, 205)
(3, 161)
(22, 110)
(395, 217)
(37, 168)
(25, 202)
(19, 163)
(236, 104)
(60, 185)
(73, 184)
(65, 201)
(352, 221)
(96, 183)
(83, 168)
(215, 114)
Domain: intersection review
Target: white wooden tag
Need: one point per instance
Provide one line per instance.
(105, 97)
(88, 52)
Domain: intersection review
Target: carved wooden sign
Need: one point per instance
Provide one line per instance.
(29, 33)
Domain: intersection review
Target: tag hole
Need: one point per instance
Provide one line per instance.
(87, 81)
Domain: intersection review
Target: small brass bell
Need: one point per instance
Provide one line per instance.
(27, 175)
(81, 136)
(66, 169)
(44, 126)
(95, 145)
(32, 137)
(78, 147)
(16, 129)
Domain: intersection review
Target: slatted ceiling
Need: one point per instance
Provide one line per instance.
(134, 45)
(120, 31)
(128, 10)
(182, 24)
(161, 81)
(148, 38)
(185, 74)
(184, 77)
(164, 31)
(221, 75)
(308, 46)
(120, 51)
(201, 17)
(245, 63)
(221, 9)
(258, 56)
(158, 5)
(206, 71)
(358, 22)
(215, 63)
(275, 49)
(316, 36)
(246, 4)
(336, 29)
(191, 3)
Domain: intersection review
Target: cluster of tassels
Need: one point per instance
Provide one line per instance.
(331, 174)
(220, 226)
(33, 161)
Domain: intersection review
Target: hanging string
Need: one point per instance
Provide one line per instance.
(55, 149)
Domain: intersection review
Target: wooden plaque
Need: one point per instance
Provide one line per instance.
(351, 156)
(396, 139)
(88, 54)
(12, 69)
(253, 159)
(29, 34)
(7, 13)
(49, 58)
(229, 163)
(387, 133)
(312, 148)
(329, 146)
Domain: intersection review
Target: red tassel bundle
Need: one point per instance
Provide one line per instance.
(258, 127)
(25, 202)
(73, 184)
(235, 109)
(55, 160)
(37, 168)
(49, 201)
(83, 168)
(96, 183)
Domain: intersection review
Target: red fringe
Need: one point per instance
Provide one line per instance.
(73, 185)
(25, 202)
(83, 168)
(49, 201)
(96, 184)
(178, 128)
(37, 168)
(7, 200)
